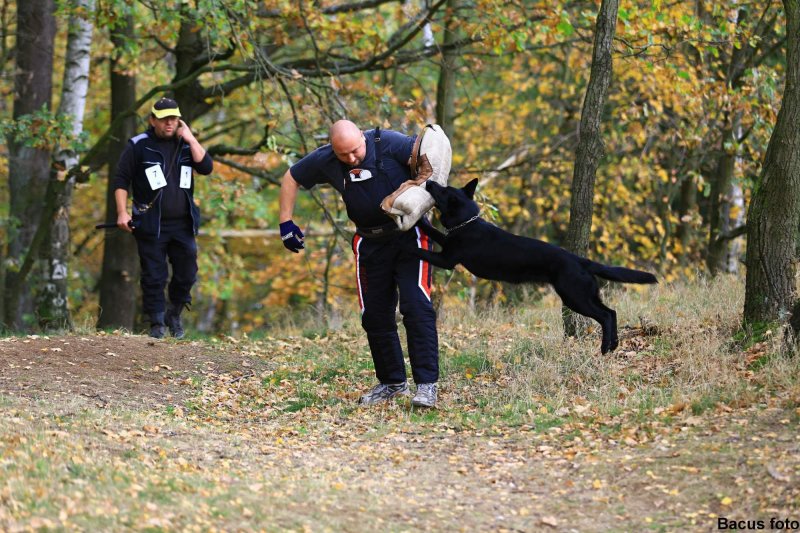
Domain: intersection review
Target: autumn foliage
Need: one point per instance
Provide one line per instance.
(689, 86)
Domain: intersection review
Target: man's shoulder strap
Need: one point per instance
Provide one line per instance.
(378, 149)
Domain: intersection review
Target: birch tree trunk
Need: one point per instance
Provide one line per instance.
(775, 207)
(52, 298)
(590, 143)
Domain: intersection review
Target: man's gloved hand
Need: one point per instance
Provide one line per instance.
(291, 236)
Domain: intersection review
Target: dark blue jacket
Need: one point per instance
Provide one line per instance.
(142, 152)
(383, 170)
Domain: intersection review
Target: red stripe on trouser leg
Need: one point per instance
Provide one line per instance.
(424, 242)
(356, 244)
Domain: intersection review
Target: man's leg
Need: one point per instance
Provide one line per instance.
(153, 261)
(414, 278)
(182, 252)
(378, 300)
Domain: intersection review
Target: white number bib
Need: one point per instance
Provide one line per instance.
(186, 177)
(155, 176)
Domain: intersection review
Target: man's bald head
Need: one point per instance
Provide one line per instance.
(348, 142)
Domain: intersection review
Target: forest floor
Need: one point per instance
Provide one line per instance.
(110, 432)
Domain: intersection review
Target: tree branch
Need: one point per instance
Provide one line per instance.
(732, 234)
(331, 10)
(272, 178)
(89, 162)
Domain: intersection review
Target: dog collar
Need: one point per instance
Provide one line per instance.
(473, 219)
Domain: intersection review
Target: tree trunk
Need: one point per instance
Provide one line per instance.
(590, 143)
(52, 304)
(446, 87)
(736, 219)
(775, 206)
(28, 168)
(719, 210)
(118, 281)
(686, 203)
(742, 56)
(189, 48)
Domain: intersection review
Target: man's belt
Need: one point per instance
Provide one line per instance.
(390, 228)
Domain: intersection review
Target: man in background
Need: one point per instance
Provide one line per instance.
(158, 167)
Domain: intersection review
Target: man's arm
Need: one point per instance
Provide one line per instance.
(291, 234)
(121, 198)
(123, 178)
(401, 146)
(287, 197)
(203, 161)
(198, 152)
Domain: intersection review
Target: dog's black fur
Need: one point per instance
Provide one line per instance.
(492, 253)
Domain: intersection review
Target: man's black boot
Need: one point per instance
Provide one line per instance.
(157, 327)
(173, 320)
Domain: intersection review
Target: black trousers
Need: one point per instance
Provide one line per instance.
(177, 244)
(385, 274)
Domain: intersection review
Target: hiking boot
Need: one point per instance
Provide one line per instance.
(158, 331)
(157, 327)
(381, 393)
(173, 321)
(426, 395)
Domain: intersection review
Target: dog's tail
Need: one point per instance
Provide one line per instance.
(621, 274)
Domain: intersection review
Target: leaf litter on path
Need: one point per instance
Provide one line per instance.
(256, 436)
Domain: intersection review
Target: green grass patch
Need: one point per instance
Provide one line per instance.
(753, 333)
(468, 363)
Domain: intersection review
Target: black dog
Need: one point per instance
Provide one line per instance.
(492, 253)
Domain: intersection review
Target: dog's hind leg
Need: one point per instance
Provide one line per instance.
(607, 318)
(581, 294)
(610, 339)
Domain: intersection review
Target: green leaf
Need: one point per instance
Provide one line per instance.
(565, 28)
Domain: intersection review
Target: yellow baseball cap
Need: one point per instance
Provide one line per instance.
(166, 107)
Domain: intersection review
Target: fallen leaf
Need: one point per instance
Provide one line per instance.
(549, 521)
(774, 474)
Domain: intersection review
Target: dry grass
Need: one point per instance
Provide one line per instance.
(677, 346)
(534, 430)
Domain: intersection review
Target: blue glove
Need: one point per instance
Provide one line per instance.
(291, 236)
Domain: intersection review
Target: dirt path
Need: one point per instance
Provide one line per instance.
(351, 469)
(111, 369)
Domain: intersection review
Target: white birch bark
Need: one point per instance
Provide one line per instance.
(53, 308)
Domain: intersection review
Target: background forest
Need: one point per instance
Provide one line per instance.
(693, 98)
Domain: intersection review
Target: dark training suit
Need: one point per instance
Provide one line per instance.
(165, 220)
(383, 270)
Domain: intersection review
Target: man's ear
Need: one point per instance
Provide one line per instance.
(469, 188)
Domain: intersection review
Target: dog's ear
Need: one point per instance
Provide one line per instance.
(469, 188)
